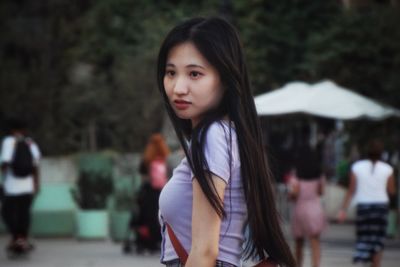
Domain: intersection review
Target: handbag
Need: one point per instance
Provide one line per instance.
(182, 254)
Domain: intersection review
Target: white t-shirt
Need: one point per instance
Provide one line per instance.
(371, 181)
(12, 185)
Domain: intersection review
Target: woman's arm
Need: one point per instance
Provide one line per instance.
(294, 189)
(391, 186)
(352, 188)
(205, 226)
(36, 180)
(321, 185)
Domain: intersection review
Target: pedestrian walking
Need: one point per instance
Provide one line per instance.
(306, 187)
(223, 183)
(371, 182)
(20, 157)
(153, 170)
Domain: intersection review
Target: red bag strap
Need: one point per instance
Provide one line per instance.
(267, 263)
(179, 249)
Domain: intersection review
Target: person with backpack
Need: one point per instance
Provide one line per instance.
(20, 157)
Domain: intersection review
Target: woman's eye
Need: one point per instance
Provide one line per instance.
(195, 74)
(170, 73)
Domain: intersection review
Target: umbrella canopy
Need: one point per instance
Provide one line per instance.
(325, 99)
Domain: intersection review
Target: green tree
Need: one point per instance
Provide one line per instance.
(362, 52)
(83, 72)
(275, 37)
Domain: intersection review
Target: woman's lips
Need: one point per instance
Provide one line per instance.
(182, 104)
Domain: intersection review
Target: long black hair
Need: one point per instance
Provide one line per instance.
(219, 43)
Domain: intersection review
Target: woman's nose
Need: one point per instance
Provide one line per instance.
(181, 86)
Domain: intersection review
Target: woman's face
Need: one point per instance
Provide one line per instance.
(192, 85)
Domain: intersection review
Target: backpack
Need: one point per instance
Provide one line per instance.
(22, 162)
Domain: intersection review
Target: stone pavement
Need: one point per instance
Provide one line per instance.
(337, 245)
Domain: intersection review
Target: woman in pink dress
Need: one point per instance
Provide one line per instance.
(308, 218)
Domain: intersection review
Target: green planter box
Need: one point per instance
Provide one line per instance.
(119, 221)
(54, 211)
(92, 224)
(53, 223)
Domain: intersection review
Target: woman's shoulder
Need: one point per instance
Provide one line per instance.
(220, 133)
(385, 166)
(361, 163)
(8, 142)
(9, 139)
(221, 128)
(221, 139)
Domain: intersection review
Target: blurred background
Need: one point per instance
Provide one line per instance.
(82, 73)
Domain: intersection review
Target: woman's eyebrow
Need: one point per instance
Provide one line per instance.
(187, 66)
(195, 66)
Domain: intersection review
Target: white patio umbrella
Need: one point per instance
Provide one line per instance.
(325, 99)
(288, 99)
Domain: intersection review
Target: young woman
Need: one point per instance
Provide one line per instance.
(308, 218)
(153, 170)
(223, 184)
(371, 181)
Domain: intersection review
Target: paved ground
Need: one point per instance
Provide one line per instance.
(337, 249)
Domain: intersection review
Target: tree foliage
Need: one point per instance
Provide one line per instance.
(361, 51)
(82, 72)
(275, 37)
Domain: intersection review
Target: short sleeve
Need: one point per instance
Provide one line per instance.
(218, 150)
(35, 153)
(391, 171)
(388, 170)
(354, 167)
(7, 149)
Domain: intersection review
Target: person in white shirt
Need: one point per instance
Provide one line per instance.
(20, 184)
(371, 182)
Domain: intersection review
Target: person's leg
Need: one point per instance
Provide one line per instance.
(362, 234)
(9, 216)
(5, 212)
(22, 205)
(25, 215)
(376, 259)
(380, 224)
(315, 251)
(26, 218)
(299, 251)
(18, 211)
(155, 235)
(140, 240)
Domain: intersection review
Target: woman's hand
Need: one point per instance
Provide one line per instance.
(293, 188)
(341, 216)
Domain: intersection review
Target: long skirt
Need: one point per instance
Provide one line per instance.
(370, 230)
